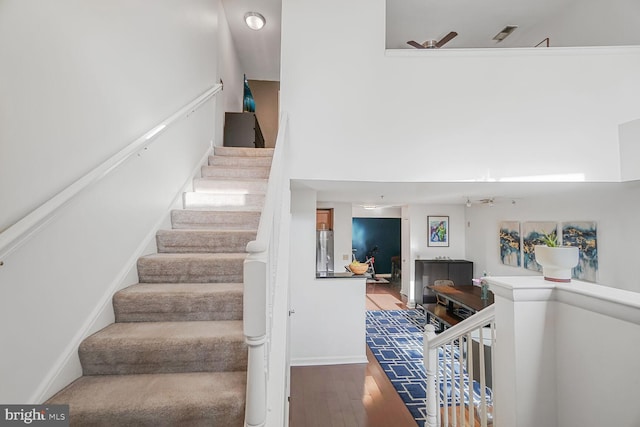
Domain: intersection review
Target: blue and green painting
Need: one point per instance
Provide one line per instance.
(532, 234)
(583, 234)
(510, 243)
(248, 103)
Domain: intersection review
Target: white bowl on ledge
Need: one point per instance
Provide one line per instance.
(557, 262)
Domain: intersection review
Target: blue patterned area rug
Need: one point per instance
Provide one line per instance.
(395, 339)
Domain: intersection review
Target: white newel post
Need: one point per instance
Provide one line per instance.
(255, 332)
(431, 364)
(525, 376)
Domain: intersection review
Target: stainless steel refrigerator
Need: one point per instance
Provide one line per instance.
(324, 251)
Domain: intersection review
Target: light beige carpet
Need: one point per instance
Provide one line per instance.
(176, 355)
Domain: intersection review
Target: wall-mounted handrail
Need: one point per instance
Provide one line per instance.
(260, 270)
(17, 234)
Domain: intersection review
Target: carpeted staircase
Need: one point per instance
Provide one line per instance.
(176, 355)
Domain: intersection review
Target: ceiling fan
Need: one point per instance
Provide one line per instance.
(488, 201)
(433, 44)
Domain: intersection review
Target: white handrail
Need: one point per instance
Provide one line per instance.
(455, 362)
(477, 321)
(260, 269)
(17, 234)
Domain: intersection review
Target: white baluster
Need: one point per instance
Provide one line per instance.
(493, 369)
(431, 365)
(462, 367)
(483, 394)
(442, 371)
(454, 414)
(470, 371)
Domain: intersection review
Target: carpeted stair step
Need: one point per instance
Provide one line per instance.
(243, 151)
(223, 201)
(240, 161)
(203, 241)
(246, 186)
(191, 268)
(213, 399)
(172, 302)
(219, 220)
(224, 172)
(164, 347)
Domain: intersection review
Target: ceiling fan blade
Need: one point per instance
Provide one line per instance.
(446, 39)
(415, 44)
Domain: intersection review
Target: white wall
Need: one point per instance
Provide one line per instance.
(80, 81)
(445, 115)
(230, 72)
(419, 249)
(615, 21)
(630, 150)
(595, 385)
(566, 353)
(614, 207)
(328, 326)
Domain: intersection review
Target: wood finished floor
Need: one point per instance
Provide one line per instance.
(355, 395)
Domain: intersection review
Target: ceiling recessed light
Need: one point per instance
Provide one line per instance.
(254, 20)
(506, 31)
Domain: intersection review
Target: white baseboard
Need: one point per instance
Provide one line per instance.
(333, 360)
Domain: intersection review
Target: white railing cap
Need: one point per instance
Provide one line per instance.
(477, 321)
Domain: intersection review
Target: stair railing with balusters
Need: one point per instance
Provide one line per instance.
(453, 394)
(265, 286)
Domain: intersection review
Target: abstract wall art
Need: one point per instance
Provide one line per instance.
(438, 229)
(510, 243)
(532, 233)
(583, 234)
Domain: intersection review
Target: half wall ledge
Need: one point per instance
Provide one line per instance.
(613, 302)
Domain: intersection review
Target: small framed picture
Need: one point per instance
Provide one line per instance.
(438, 229)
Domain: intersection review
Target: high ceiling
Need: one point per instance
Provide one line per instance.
(566, 22)
(259, 51)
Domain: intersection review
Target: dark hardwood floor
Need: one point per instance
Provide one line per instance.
(355, 395)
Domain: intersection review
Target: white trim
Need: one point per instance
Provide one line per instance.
(13, 237)
(319, 361)
(470, 324)
(513, 51)
(617, 303)
(95, 321)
